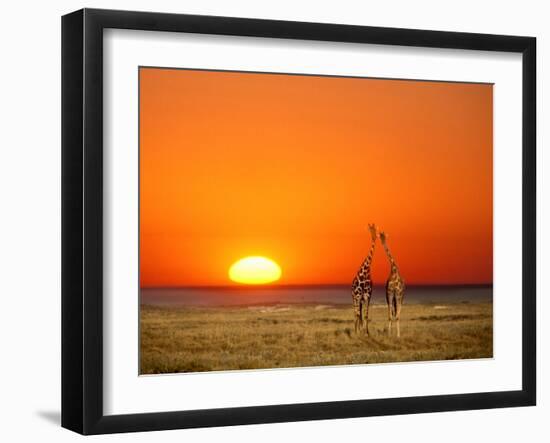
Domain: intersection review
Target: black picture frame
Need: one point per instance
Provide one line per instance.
(82, 219)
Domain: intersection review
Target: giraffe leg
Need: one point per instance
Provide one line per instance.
(397, 317)
(388, 299)
(367, 302)
(359, 317)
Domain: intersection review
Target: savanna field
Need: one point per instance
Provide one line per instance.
(194, 339)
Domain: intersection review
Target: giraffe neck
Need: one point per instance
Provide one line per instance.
(368, 260)
(390, 258)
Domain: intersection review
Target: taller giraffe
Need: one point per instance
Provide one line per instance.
(395, 289)
(362, 287)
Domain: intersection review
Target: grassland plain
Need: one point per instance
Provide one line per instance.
(195, 339)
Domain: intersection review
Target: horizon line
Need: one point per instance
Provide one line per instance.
(330, 285)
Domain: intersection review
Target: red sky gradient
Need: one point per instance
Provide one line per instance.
(294, 168)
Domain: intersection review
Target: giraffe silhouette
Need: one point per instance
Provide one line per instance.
(395, 288)
(362, 287)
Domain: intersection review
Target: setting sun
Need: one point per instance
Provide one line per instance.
(254, 271)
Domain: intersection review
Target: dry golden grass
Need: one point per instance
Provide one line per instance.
(229, 338)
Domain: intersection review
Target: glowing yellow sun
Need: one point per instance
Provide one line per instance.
(254, 271)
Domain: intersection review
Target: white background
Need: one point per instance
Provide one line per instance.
(30, 218)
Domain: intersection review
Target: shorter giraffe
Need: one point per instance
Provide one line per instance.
(395, 289)
(362, 287)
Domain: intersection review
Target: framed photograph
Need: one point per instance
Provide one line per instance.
(268, 221)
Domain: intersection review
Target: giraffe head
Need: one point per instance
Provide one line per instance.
(383, 237)
(373, 231)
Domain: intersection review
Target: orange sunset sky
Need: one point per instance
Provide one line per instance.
(294, 168)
